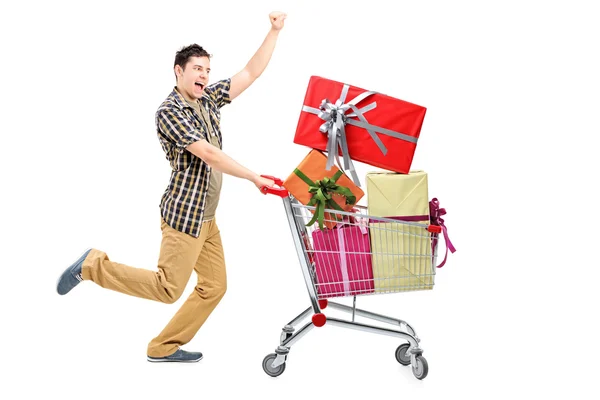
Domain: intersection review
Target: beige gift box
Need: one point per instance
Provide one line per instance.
(401, 252)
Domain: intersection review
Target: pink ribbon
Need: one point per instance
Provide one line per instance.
(361, 223)
(343, 264)
(436, 213)
(435, 218)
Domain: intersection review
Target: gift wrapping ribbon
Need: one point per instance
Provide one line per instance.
(335, 117)
(436, 219)
(322, 191)
(343, 263)
(342, 247)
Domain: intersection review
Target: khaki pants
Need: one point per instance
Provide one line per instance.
(180, 253)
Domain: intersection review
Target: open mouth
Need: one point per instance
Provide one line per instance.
(199, 85)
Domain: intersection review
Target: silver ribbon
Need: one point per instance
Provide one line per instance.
(335, 117)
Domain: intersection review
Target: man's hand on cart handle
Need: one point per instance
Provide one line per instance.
(268, 188)
(262, 181)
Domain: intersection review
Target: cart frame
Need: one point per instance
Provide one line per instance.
(406, 354)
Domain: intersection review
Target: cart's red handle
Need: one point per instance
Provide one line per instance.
(281, 192)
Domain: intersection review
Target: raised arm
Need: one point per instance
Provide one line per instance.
(257, 64)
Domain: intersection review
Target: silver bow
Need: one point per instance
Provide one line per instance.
(335, 117)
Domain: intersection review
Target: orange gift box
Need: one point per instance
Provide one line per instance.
(314, 167)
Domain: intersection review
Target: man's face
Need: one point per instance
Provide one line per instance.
(193, 79)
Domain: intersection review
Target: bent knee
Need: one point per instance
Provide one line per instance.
(218, 291)
(211, 292)
(221, 291)
(171, 296)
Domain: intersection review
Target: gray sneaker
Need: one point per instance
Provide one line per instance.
(179, 356)
(72, 275)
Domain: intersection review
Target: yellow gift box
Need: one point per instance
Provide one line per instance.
(402, 259)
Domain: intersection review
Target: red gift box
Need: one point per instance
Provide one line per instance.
(339, 116)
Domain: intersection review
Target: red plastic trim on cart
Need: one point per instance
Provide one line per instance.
(323, 304)
(319, 320)
(434, 229)
(281, 192)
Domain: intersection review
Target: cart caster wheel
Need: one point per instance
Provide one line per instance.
(270, 370)
(420, 370)
(401, 355)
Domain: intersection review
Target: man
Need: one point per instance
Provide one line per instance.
(188, 127)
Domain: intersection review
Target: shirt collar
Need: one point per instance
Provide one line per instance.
(180, 100)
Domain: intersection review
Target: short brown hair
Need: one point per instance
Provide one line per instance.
(193, 50)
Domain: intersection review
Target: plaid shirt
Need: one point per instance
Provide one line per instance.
(178, 125)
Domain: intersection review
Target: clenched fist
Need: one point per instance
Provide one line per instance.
(277, 18)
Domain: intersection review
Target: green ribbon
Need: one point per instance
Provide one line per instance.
(322, 191)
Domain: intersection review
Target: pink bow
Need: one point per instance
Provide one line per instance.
(436, 213)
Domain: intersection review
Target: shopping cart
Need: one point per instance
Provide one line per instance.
(357, 255)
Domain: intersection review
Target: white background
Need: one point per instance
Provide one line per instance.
(511, 90)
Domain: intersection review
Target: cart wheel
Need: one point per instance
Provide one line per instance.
(270, 370)
(401, 355)
(420, 370)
